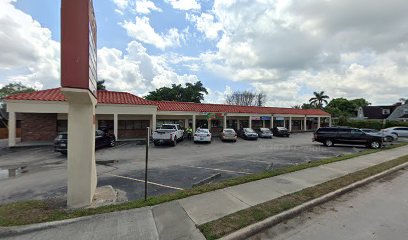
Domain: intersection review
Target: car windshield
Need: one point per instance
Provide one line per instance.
(265, 130)
(369, 130)
(229, 131)
(168, 127)
(202, 130)
(281, 128)
(248, 130)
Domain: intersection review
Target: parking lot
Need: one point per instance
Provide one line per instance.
(38, 172)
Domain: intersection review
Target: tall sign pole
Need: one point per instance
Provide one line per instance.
(78, 82)
(147, 161)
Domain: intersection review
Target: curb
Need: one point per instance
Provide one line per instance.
(248, 231)
(20, 230)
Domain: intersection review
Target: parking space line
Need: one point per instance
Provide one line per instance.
(139, 180)
(217, 169)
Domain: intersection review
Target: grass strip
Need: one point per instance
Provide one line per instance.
(233, 222)
(37, 211)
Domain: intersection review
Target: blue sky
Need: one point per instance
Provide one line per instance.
(286, 49)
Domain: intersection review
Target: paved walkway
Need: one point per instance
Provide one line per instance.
(177, 219)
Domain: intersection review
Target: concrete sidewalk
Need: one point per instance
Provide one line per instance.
(177, 219)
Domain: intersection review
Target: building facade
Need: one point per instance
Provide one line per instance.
(45, 113)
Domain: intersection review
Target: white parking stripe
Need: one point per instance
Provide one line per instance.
(217, 169)
(138, 180)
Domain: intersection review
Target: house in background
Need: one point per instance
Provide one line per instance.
(399, 114)
(376, 112)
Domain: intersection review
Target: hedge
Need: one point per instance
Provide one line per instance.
(372, 124)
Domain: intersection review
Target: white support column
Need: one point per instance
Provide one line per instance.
(250, 122)
(237, 124)
(224, 123)
(318, 122)
(305, 124)
(194, 123)
(284, 122)
(290, 124)
(263, 123)
(12, 129)
(154, 122)
(186, 123)
(115, 125)
(330, 121)
(271, 121)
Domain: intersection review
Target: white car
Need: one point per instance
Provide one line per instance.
(399, 131)
(202, 135)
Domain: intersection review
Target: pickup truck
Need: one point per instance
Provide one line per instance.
(168, 133)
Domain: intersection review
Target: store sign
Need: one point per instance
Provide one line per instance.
(265, 118)
(78, 45)
(261, 118)
(279, 118)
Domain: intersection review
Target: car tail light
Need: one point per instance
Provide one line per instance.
(171, 136)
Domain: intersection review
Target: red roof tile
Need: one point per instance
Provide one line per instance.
(107, 97)
(110, 97)
(206, 107)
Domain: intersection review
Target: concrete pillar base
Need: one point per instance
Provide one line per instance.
(82, 179)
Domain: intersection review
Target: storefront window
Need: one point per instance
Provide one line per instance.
(62, 126)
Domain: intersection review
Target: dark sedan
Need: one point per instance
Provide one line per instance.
(248, 134)
(280, 132)
(102, 139)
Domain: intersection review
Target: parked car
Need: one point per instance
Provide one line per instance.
(399, 131)
(332, 135)
(264, 133)
(280, 132)
(168, 134)
(202, 135)
(102, 139)
(248, 134)
(387, 137)
(228, 134)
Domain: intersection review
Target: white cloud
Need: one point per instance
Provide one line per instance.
(185, 5)
(28, 54)
(206, 24)
(145, 7)
(347, 48)
(215, 96)
(121, 4)
(136, 71)
(142, 31)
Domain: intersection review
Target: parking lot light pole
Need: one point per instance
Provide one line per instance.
(147, 160)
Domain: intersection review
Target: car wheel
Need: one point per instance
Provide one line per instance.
(396, 134)
(175, 142)
(389, 139)
(375, 144)
(112, 143)
(156, 144)
(328, 143)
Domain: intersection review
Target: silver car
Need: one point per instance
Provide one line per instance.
(399, 131)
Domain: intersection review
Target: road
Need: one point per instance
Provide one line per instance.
(378, 211)
(38, 173)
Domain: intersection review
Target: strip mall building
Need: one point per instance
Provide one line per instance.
(44, 114)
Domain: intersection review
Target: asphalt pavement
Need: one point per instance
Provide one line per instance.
(377, 211)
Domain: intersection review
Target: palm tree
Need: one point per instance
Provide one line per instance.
(404, 100)
(318, 99)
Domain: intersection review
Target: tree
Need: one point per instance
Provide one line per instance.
(14, 88)
(342, 107)
(190, 93)
(319, 98)
(100, 85)
(246, 98)
(404, 100)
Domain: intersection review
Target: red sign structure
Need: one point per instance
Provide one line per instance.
(78, 45)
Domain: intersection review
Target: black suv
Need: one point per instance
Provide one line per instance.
(102, 139)
(345, 135)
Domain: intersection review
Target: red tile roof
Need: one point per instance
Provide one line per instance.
(110, 97)
(206, 107)
(107, 97)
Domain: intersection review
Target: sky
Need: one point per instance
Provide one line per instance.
(285, 48)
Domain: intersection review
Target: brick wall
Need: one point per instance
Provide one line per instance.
(38, 127)
(127, 134)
